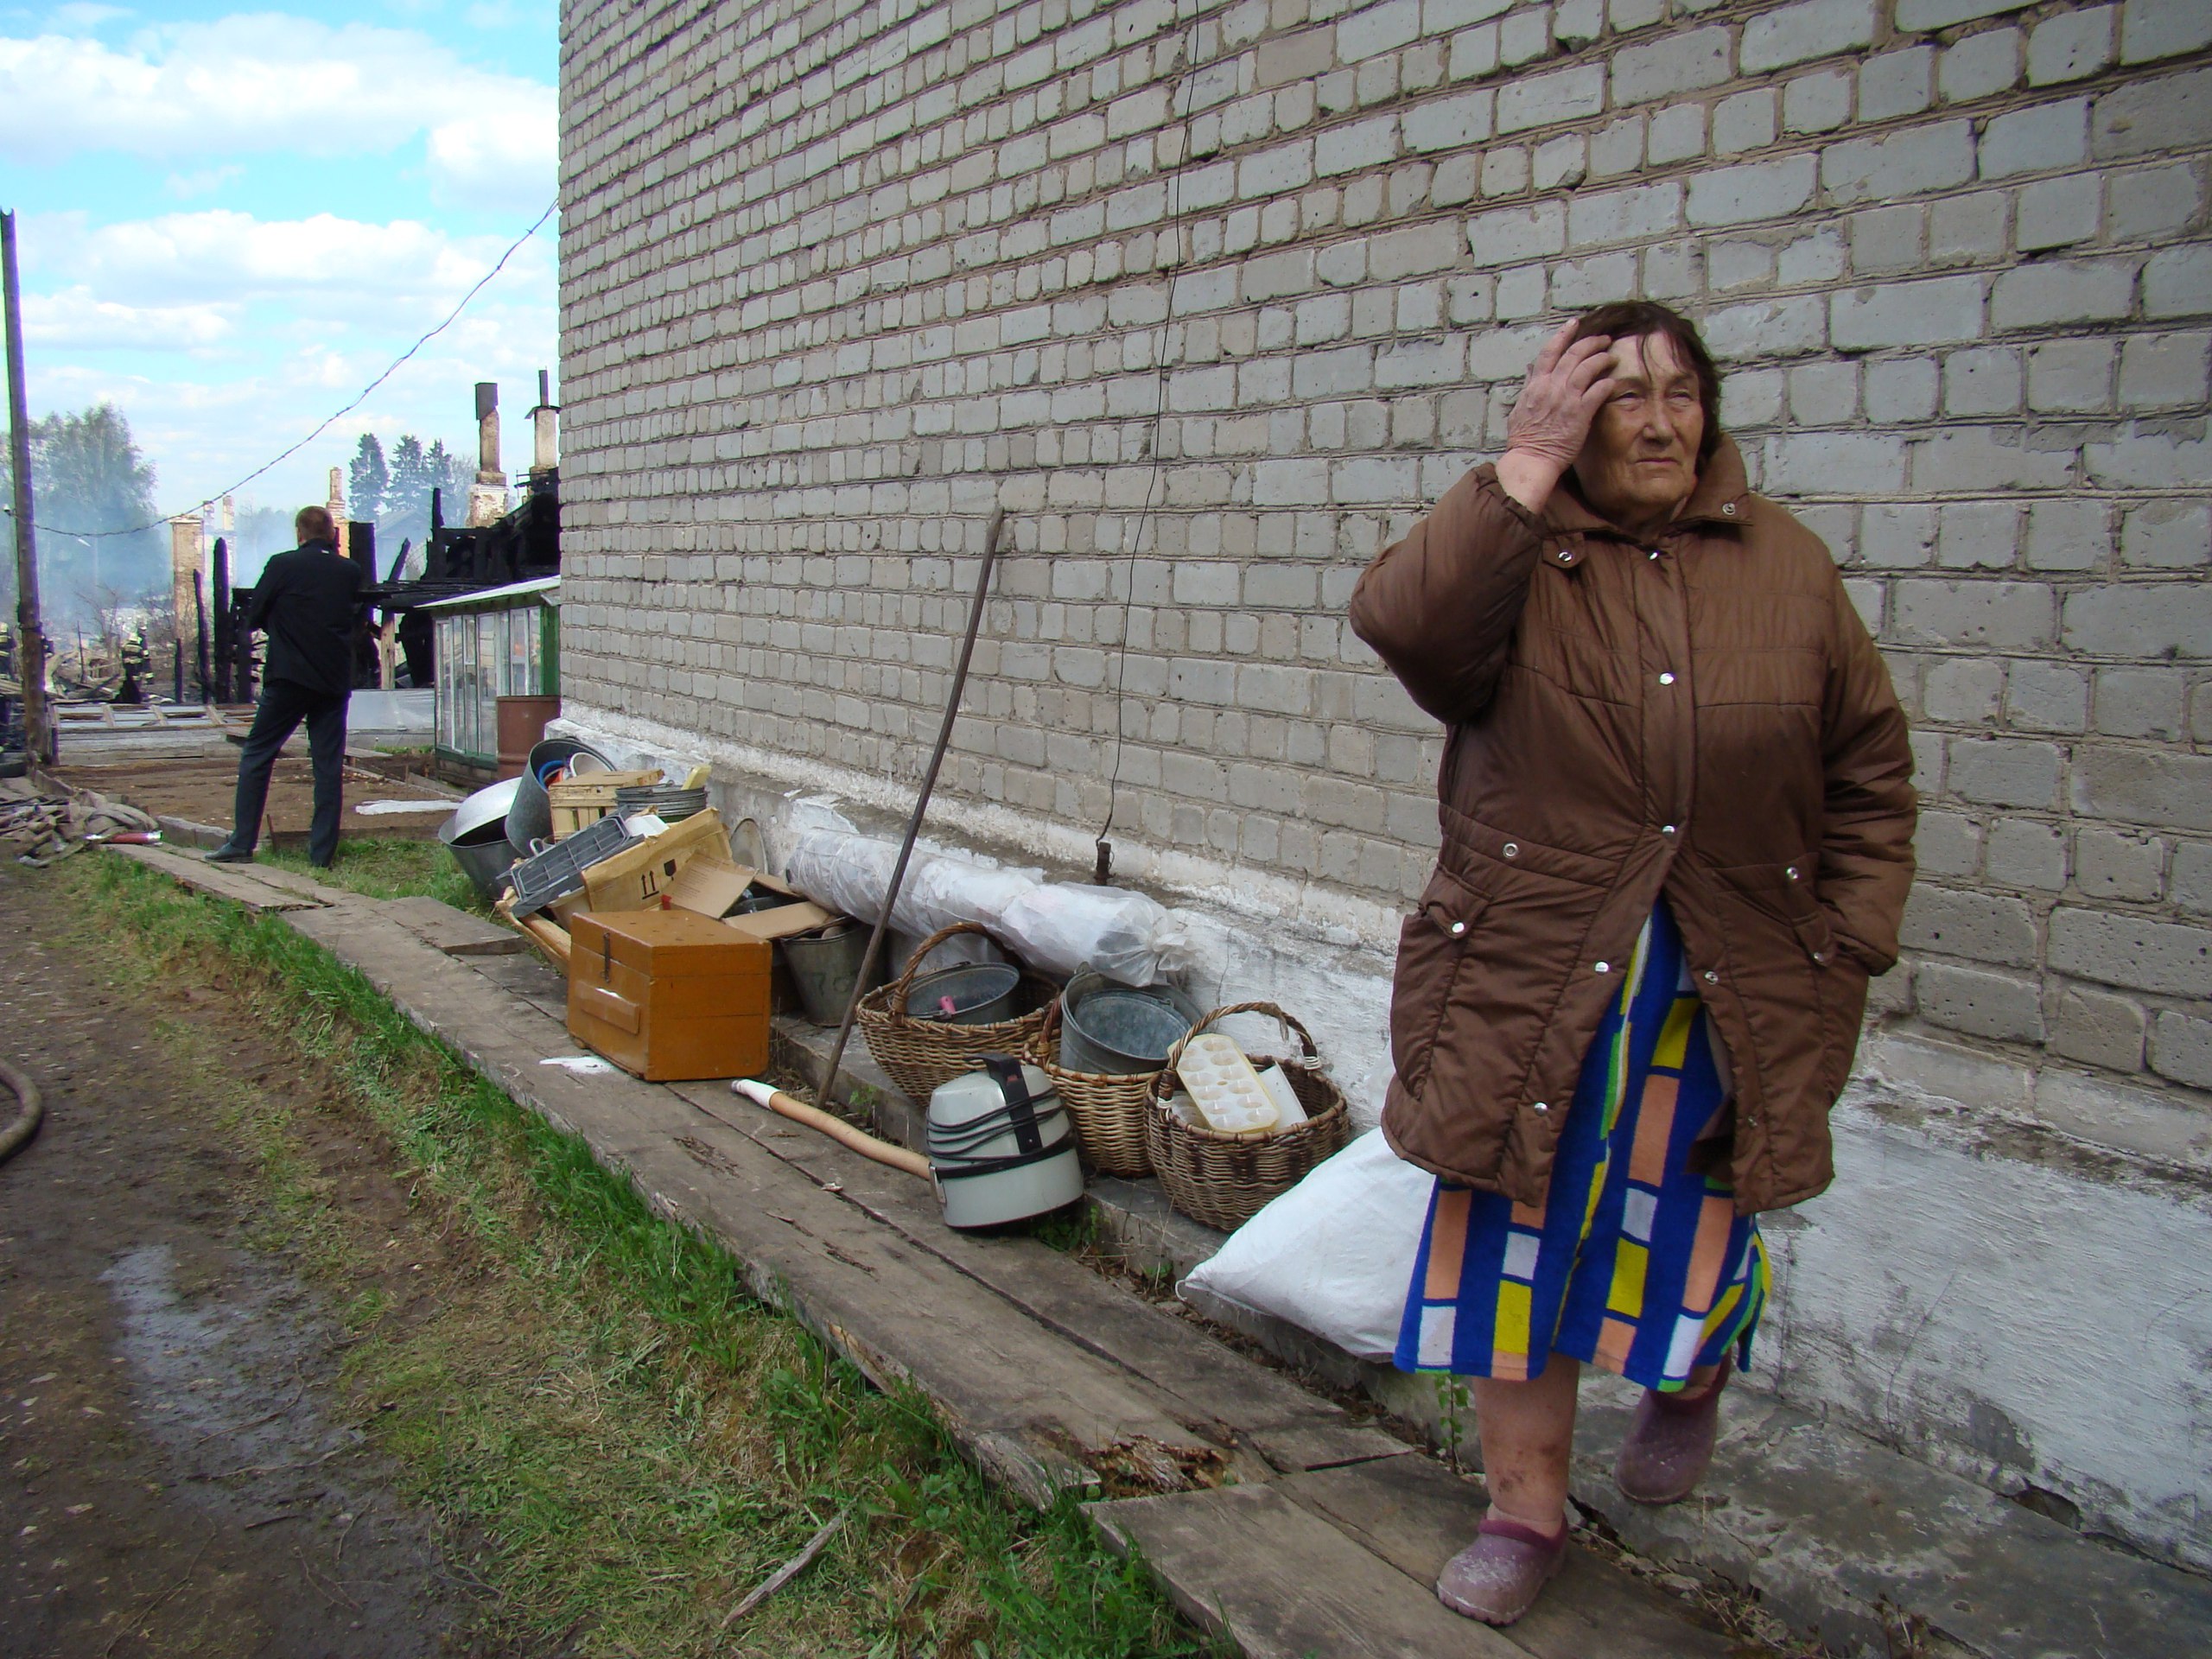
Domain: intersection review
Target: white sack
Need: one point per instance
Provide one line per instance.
(1333, 1255)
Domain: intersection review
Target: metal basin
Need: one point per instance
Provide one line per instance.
(487, 806)
(981, 993)
(1116, 1029)
(476, 835)
(673, 802)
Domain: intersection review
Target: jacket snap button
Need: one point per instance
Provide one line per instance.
(1654, 553)
(1458, 927)
(1540, 1107)
(1605, 967)
(1710, 977)
(1666, 679)
(1565, 558)
(1821, 956)
(1791, 872)
(1752, 1122)
(1665, 828)
(1729, 508)
(1512, 849)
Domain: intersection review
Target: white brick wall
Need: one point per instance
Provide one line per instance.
(1217, 295)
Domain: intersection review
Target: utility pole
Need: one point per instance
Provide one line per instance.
(30, 650)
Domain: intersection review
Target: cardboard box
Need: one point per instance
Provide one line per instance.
(668, 995)
(639, 876)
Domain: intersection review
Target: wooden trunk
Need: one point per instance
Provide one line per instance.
(667, 995)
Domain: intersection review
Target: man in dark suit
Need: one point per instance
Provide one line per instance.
(309, 602)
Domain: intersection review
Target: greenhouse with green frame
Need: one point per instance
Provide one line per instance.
(503, 642)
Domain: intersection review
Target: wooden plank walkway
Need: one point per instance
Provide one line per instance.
(223, 880)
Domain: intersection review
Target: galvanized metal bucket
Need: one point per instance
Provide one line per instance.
(1117, 1030)
(980, 992)
(530, 817)
(825, 967)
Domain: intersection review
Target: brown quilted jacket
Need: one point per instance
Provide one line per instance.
(1701, 715)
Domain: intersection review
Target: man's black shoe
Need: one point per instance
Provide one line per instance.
(229, 854)
(323, 864)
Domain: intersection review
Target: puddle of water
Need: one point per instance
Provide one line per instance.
(225, 1382)
(230, 1369)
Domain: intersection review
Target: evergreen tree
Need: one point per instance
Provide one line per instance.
(368, 484)
(411, 473)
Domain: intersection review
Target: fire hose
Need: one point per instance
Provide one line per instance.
(27, 1119)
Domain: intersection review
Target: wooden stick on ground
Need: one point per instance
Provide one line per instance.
(782, 1576)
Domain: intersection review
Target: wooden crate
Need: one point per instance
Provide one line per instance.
(578, 803)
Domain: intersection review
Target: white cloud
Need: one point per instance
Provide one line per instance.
(203, 435)
(188, 92)
(490, 160)
(204, 181)
(82, 15)
(320, 267)
(268, 325)
(75, 317)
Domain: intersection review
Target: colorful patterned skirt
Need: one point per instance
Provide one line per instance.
(1634, 1261)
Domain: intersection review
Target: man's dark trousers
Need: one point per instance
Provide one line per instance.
(283, 705)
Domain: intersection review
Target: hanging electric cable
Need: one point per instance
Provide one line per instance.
(1182, 91)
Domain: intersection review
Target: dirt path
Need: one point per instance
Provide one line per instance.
(178, 1471)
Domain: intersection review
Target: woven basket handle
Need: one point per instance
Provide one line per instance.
(905, 982)
(1290, 1023)
(1040, 1046)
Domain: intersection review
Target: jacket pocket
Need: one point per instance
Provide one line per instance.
(1431, 949)
(1784, 893)
(1806, 996)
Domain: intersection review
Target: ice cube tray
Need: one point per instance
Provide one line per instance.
(1223, 1086)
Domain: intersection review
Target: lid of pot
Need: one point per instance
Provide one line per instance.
(976, 1094)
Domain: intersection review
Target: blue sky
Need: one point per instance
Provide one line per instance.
(231, 221)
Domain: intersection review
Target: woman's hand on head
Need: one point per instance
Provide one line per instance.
(1550, 423)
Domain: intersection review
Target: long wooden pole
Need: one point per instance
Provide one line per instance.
(31, 636)
(921, 804)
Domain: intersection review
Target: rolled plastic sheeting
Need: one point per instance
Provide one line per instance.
(1059, 927)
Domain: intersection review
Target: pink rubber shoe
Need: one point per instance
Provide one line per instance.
(1499, 1576)
(1670, 1443)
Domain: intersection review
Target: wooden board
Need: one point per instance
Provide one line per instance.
(222, 880)
(1416, 1514)
(454, 931)
(1282, 1583)
(1290, 1426)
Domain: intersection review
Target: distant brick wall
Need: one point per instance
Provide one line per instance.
(835, 277)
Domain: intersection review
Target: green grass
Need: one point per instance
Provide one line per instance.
(389, 869)
(624, 1437)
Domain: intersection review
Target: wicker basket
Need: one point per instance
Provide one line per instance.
(1224, 1179)
(921, 1054)
(1109, 1110)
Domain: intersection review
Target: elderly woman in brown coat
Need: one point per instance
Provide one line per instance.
(1677, 824)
